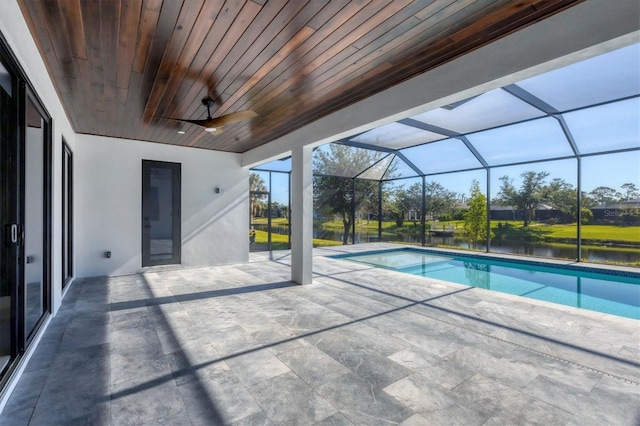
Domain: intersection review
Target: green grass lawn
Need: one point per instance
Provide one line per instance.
(595, 233)
(534, 232)
(598, 232)
(279, 221)
(280, 242)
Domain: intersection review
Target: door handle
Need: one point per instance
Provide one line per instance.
(14, 233)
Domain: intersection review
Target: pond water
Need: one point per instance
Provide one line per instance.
(538, 249)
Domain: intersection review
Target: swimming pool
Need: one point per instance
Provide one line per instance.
(611, 292)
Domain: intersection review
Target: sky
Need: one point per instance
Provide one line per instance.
(602, 126)
(612, 170)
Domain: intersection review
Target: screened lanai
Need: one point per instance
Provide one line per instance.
(537, 149)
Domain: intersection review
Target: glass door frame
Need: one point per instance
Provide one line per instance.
(176, 203)
(67, 214)
(9, 215)
(31, 97)
(13, 211)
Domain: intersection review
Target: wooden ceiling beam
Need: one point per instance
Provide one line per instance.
(117, 64)
(231, 21)
(181, 43)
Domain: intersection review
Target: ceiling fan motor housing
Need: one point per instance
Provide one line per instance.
(208, 102)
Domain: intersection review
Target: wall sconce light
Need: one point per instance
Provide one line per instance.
(107, 254)
(218, 190)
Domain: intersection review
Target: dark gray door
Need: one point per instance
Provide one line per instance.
(161, 239)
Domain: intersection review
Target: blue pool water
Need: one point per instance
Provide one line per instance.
(607, 291)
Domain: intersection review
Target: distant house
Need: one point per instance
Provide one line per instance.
(497, 212)
(546, 212)
(543, 212)
(414, 214)
(620, 212)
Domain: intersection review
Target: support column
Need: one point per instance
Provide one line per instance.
(379, 211)
(423, 213)
(301, 215)
(579, 215)
(488, 210)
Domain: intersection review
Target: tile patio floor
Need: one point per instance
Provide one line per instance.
(241, 345)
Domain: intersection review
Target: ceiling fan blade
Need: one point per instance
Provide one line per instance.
(201, 123)
(179, 120)
(206, 124)
(223, 120)
(217, 123)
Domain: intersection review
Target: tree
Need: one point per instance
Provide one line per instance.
(475, 218)
(439, 200)
(527, 198)
(562, 196)
(276, 209)
(394, 205)
(412, 197)
(401, 201)
(630, 215)
(604, 195)
(256, 184)
(334, 183)
(630, 191)
(586, 216)
(285, 211)
(587, 201)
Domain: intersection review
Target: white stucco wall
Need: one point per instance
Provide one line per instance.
(108, 203)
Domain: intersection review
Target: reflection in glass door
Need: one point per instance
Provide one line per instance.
(161, 241)
(35, 237)
(8, 215)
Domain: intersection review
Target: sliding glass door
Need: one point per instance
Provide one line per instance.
(34, 217)
(8, 214)
(25, 214)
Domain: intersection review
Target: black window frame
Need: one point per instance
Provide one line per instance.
(67, 214)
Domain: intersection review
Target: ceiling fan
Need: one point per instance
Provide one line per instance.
(215, 125)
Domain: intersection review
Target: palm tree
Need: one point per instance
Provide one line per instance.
(256, 184)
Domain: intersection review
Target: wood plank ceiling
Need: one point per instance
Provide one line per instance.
(118, 64)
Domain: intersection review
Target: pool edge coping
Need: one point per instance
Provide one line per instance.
(558, 263)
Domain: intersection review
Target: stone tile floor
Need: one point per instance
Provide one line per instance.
(241, 345)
